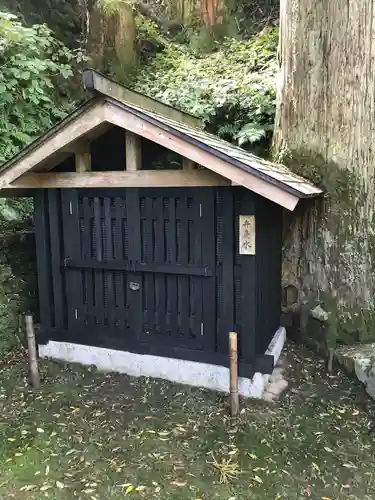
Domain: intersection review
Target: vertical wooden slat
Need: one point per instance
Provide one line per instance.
(134, 255)
(228, 248)
(43, 252)
(208, 248)
(72, 249)
(172, 279)
(197, 282)
(119, 255)
(87, 254)
(133, 151)
(98, 274)
(149, 279)
(56, 258)
(249, 290)
(159, 259)
(109, 251)
(183, 254)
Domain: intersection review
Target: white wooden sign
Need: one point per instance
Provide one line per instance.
(247, 235)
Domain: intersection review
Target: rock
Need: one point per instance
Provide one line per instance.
(360, 360)
(320, 314)
(277, 387)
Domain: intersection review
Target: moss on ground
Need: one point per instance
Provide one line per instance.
(87, 435)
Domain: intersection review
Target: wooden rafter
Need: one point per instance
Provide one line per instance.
(129, 121)
(65, 139)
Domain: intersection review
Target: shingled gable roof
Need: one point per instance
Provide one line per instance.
(114, 104)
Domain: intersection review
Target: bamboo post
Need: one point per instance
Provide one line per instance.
(31, 347)
(233, 374)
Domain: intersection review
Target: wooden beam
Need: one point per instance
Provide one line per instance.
(187, 164)
(124, 119)
(52, 161)
(102, 114)
(140, 178)
(79, 146)
(95, 81)
(82, 156)
(133, 151)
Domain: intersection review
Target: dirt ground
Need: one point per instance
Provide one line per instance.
(94, 436)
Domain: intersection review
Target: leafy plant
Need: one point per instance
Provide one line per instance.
(111, 7)
(232, 90)
(33, 70)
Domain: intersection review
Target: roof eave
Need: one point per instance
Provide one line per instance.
(98, 83)
(210, 150)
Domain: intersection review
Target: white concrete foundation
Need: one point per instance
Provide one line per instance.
(175, 370)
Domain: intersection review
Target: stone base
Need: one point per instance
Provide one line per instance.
(175, 370)
(360, 360)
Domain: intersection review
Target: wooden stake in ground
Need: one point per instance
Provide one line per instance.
(233, 373)
(31, 346)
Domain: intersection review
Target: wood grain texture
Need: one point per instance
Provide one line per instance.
(83, 162)
(325, 118)
(133, 152)
(194, 153)
(144, 178)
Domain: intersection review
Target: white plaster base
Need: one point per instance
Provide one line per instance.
(175, 370)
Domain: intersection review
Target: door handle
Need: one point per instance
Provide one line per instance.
(134, 286)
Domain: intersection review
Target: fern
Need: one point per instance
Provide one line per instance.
(250, 133)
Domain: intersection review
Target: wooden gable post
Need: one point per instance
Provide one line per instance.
(133, 151)
(82, 157)
(187, 164)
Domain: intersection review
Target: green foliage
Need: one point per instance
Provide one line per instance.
(17, 285)
(232, 90)
(149, 40)
(15, 213)
(33, 70)
(111, 7)
(63, 17)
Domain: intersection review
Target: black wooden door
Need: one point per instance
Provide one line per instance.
(176, 268)
(95, 256)
(140, 266)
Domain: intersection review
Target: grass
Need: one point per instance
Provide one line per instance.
(93, 436)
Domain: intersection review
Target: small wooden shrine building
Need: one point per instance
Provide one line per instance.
(154, 239)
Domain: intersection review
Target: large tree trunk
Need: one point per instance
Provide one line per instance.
(209, 13)
(111, 45)
(326, 123)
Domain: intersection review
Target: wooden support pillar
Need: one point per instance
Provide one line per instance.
(82, 157)
(187, 164)
(32, 352)
(133, 151)
(233, 374)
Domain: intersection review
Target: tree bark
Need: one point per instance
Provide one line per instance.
(209, 13)
(325, 128)
(111, 45)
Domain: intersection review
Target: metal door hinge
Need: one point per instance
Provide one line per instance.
(202, 329)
